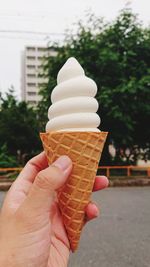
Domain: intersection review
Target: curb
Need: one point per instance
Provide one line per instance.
(5, 184)
(130, 182)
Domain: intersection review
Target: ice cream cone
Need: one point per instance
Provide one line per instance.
(84, 149)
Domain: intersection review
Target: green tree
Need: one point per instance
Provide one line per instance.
(7, 160)
(18, 127)
(117, 56)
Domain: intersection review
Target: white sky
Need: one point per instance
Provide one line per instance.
(47, 16)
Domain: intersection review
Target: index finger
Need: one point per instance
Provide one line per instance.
(33, 166)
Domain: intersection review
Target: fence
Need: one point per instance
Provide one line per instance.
(108, 169)
(128, 169)
(7, 173)
(10, 169)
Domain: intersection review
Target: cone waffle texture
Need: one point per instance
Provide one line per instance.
(84, 149)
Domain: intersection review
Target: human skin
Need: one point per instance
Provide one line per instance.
(32, 233)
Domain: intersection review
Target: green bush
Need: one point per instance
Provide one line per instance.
(7, 160)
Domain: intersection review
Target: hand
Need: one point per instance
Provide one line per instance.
(31, 229)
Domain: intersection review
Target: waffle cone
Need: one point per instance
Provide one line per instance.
(84, 149)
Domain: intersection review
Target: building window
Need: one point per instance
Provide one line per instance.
(31, 57)
(31, 93)
(31, 75)
(40, 75)
(42, 49)
(40, 58)
(41, 84)
(31, 84)
(31, 66)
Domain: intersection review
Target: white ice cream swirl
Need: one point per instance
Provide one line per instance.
(73, 104)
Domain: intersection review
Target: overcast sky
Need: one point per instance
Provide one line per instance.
(47, 16)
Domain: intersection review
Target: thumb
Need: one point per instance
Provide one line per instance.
(41, 195)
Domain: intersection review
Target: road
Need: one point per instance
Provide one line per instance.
(120, 237)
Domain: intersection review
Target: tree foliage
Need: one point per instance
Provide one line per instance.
(7, 160)
(18, 127)
(117, 56)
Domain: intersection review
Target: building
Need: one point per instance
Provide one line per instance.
(32, 59)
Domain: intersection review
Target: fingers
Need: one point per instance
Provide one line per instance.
(91, 212)
(101, 182)
(41, 194)
(34, 166)
(20, 188)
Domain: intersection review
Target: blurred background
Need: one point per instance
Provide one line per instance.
(111, 40)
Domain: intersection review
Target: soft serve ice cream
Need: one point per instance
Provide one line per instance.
(72, 130)
(73, 104)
